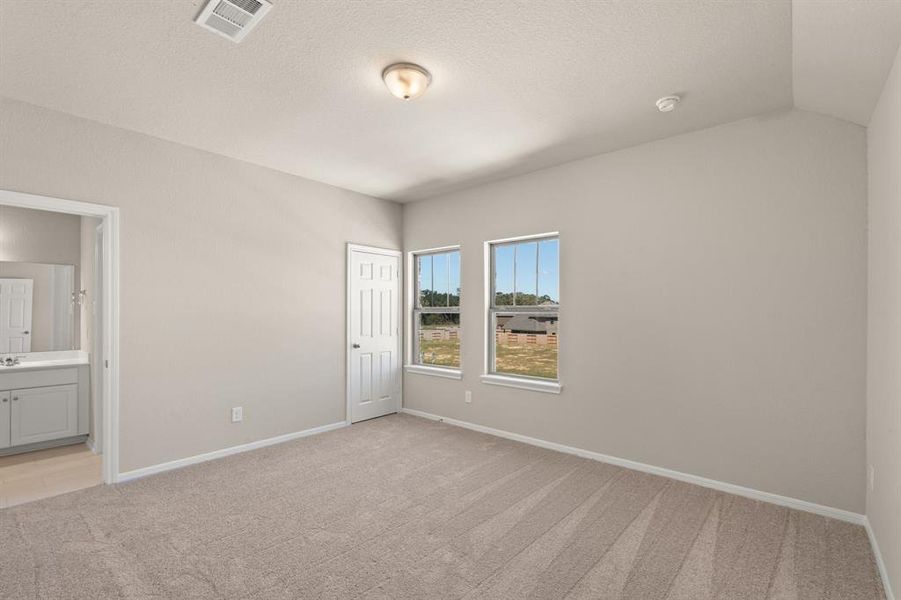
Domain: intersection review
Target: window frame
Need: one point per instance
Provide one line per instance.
(415, 310)
(492, 311)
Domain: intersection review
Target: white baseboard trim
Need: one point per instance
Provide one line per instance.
(90, 444)
(880, 563)
(199, 458)
(819, 509)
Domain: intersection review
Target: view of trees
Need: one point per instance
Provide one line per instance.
(433, 320)
(522, 299)
(430, 298)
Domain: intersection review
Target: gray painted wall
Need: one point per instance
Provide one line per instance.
(713, 315)
(884, 347)
(713, 286)
(232, 279)
(38, 235)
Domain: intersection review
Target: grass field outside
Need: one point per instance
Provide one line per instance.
(513, 358)
(440, 353)
(531, 360)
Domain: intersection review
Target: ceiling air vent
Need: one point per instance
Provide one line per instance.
(232, 18)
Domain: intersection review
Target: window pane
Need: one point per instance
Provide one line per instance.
(440, 274)
(425, 280)
(526, 268)
(548, 272)
(439, 340)
(503, 275)
(454, 268)
(526, 345)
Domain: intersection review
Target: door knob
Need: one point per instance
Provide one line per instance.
(25, 332)
(356, 346)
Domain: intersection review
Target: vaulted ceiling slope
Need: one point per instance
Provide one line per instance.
(842, 54)
(517, 86)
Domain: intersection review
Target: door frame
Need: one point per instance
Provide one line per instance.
(110, 309)
(401, 325)
(97, 348)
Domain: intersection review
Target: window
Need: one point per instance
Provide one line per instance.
(524, 312)
(436, 309)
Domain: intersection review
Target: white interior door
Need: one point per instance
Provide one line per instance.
(374, 332)
(16, 296)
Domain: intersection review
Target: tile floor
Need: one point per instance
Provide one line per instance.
(45, 473)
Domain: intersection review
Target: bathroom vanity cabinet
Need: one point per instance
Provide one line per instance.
(43, 406)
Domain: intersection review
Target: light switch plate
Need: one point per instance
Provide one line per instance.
(237, 414)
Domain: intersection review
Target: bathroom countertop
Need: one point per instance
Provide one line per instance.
(27, 365)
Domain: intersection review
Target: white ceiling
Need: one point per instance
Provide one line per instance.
(842, 54)
(516, 85)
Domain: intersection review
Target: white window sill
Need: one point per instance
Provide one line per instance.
(535, 385)
(434, 371)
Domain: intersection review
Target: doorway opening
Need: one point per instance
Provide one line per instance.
(53, 382)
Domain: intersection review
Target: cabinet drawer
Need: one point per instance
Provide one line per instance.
(41, 414)
(37, 378)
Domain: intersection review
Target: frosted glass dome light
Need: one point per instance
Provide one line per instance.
(406, 80)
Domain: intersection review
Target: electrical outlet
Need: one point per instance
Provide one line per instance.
(871, 478)
(237, 414)
(467, 397)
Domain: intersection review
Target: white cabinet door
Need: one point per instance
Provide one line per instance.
(4, 419)
(41, 414)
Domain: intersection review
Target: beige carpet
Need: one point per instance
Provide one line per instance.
(401, 507)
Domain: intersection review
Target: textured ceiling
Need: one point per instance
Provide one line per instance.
(843, 52)
(517, 85)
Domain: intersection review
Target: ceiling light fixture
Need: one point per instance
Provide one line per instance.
(406, 80)
(668, 103)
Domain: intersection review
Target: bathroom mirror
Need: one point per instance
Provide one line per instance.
(38, 308)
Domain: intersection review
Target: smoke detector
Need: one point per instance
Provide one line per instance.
(668, 103)
(232, 19)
